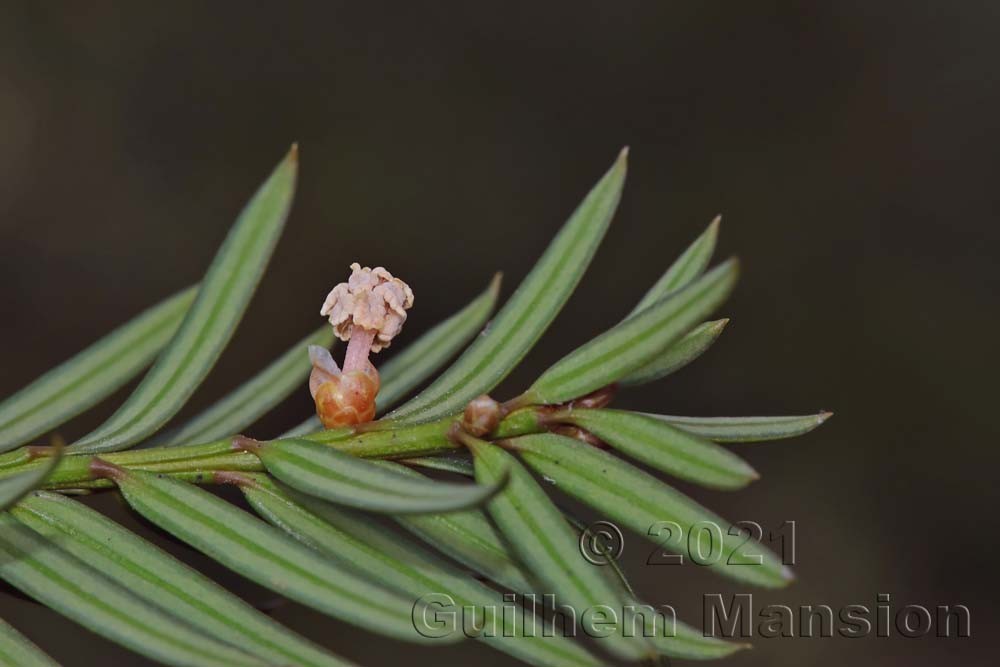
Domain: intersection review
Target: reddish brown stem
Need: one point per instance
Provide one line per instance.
(101, 469)
(231, 477)
(242, 443)
(599, 398)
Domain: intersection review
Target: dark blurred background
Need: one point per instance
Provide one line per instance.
(851, 148)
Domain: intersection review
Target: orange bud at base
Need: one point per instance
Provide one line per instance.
(348, 398)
